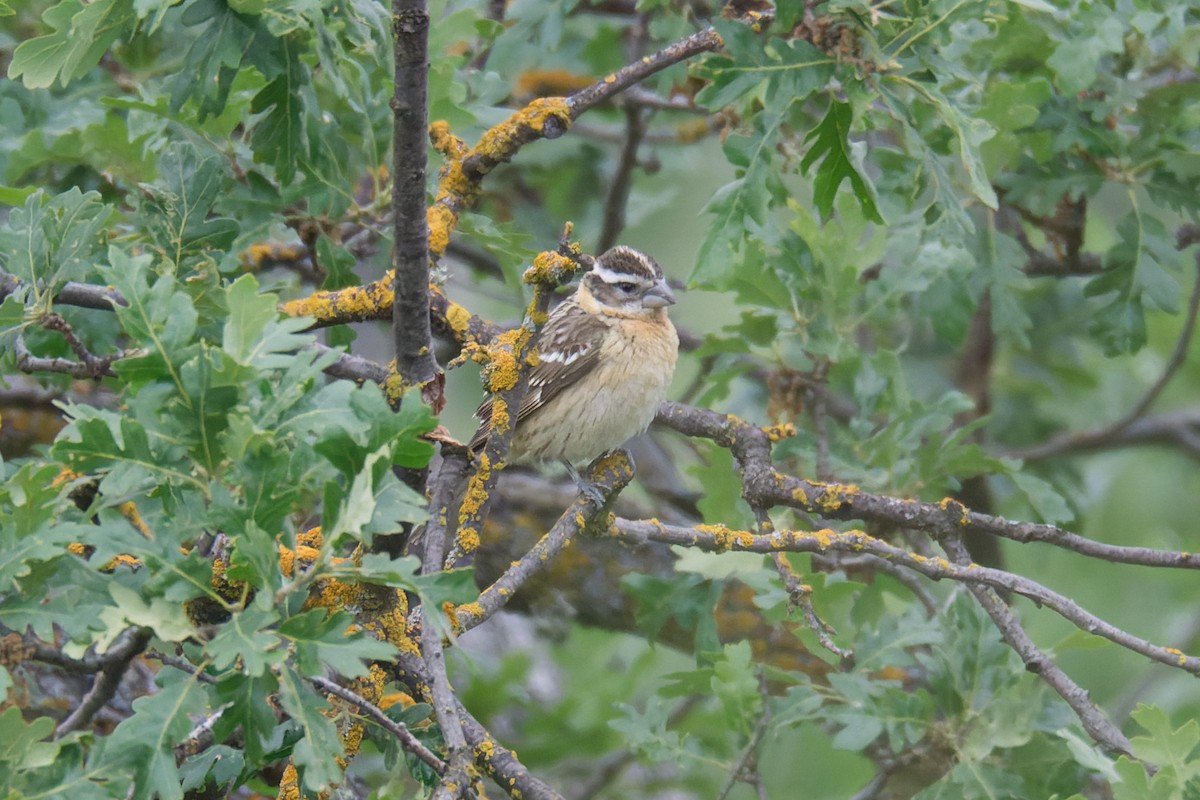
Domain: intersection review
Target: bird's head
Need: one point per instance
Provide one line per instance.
(627, 282)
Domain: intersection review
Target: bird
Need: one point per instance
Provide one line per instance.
(605, 359)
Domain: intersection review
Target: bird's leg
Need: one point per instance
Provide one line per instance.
(585, 487)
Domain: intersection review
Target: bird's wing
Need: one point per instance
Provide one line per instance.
(568, 348)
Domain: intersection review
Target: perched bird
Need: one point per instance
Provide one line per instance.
(605, 359)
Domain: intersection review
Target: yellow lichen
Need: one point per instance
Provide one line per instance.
(777, 433)
(501, 370)
(835, 495)
(404, 699)
(500, 141)
(468, 539)
(485, 749)
(550, 268)
(725, 538)
(500, 419)
(131, 513)
(954, 506)
(289, 786)
(65, 475)
(468, 612)
(311, 537)
(825, 537)
(441, 221)
(458, 318)
(477, 491)
(444, 141)
(357, 302)
(121, 560)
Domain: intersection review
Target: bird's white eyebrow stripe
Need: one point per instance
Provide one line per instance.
(609, 276)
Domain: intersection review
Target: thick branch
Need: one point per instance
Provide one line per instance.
(415, 362)
(719, 539)
(116, 660)
(765, 486)
(500, 763)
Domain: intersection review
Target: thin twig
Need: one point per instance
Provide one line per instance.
(1093, 719)
(909, 580)
(618, 190)
(745, 769)
(703, 41)
(800, 593)
(609, 476)
(27, 362)
(635, 132)
(1077, 440)
(403, 735)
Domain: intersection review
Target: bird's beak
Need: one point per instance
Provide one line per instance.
(660, 296)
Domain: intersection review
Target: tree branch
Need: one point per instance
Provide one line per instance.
(1093, 719)
(403, 735)
(720, 539)
(703, 41)
(609, 475)
(116, 660)
(415, 362)
(500, 763)
(1081, 440)
(765, 486)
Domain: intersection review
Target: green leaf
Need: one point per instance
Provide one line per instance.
(159, 722)
(47, 243)
(119, 447)
(248, 711)
(247, 638)
(214, 55)
(323, 641)
(1046, 501)
(168, 619)
(34, 530)
(21, 745)
(256, 333)
(829, 143)
(82, 32)
(161, 318)
(970, 132)
(317, 751)
(1166, 746)
(176, 207)
(278, 138)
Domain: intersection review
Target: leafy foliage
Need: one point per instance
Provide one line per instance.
(890, 184)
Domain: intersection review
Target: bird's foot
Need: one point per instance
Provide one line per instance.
(583, 486)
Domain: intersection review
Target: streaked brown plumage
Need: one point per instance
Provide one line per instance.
(605, 360)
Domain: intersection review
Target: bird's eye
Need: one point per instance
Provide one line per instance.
(626, 286)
